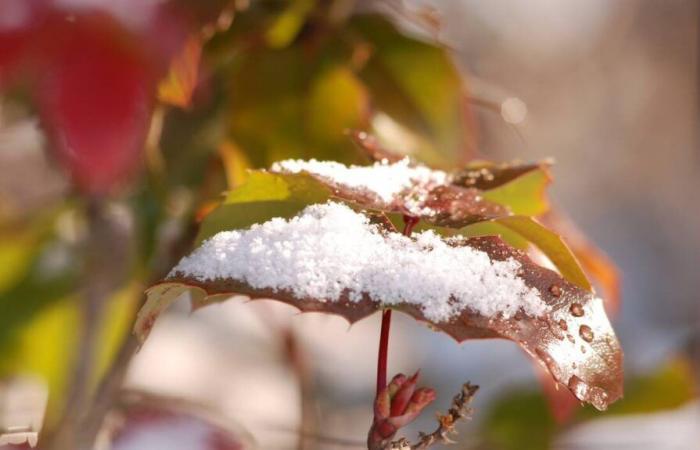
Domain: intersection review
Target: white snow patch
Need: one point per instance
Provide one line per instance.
(389, 182)
(329, 249)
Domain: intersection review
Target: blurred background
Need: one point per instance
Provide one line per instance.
(121, 122)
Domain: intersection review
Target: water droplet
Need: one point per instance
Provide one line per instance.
(586, 333)
(578, 387)
(555, 290)
(563, 325)
(576, 310)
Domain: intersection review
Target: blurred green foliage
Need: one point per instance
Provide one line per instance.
(522, 420)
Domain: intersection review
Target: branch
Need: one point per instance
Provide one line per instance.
(446, 423)
(106, 259)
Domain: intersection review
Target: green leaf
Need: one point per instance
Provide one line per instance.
(416, 84)
(520, 420)
(263, 196)
(669, 386)
(338, 101)
(45, 347)
(287, 25)
(493, 228)
(302, 114)
(31, 293)
(525, 194)
(551, 244)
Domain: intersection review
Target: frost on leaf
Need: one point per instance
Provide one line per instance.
(329, 258)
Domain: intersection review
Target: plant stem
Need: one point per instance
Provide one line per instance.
(383, 351)
(383, 354)
(106, 259)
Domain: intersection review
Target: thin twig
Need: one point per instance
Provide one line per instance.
(111, 383)
(446, 423)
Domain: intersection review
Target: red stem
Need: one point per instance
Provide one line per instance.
(383, 350)
(383, 354)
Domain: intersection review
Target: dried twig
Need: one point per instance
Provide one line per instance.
(446, 423)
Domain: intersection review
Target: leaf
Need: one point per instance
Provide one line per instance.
(519, 420)
(415, 191)
(417, 84)
(263, 196)
(573, 340)
(337, 101)
(521, 187)
(597, 265)
(551, 244)
(178, 86)
(668, 386)
(455, 206)
(289, 23)
(95, 99)
(45, 347)
(370, 147)
(298, 104)
(236, 164)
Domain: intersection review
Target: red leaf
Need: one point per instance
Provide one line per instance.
(95, 97)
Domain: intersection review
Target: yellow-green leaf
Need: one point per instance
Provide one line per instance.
(263, 196)
(551, 244)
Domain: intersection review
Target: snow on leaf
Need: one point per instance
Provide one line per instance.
(402, 187)
(520, 187)
(551, 244)
(332, 259)
(370, 147)
(263, 196)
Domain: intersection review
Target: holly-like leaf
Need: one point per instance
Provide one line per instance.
(551, 244)
(264, 195)
(595, 263)
(522, 187)
(331, 259)
(401, 187)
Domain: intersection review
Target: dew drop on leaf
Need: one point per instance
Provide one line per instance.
(555, 290)
(576, 310)
(586, 333)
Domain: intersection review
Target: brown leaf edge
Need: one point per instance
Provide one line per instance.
(574, 341)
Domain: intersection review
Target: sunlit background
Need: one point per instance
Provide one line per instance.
(608, 90)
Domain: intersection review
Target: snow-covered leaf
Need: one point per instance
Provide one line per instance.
(332, 259)
(400, 187)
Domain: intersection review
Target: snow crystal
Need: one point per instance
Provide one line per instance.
(329, 249)
(390, 182)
